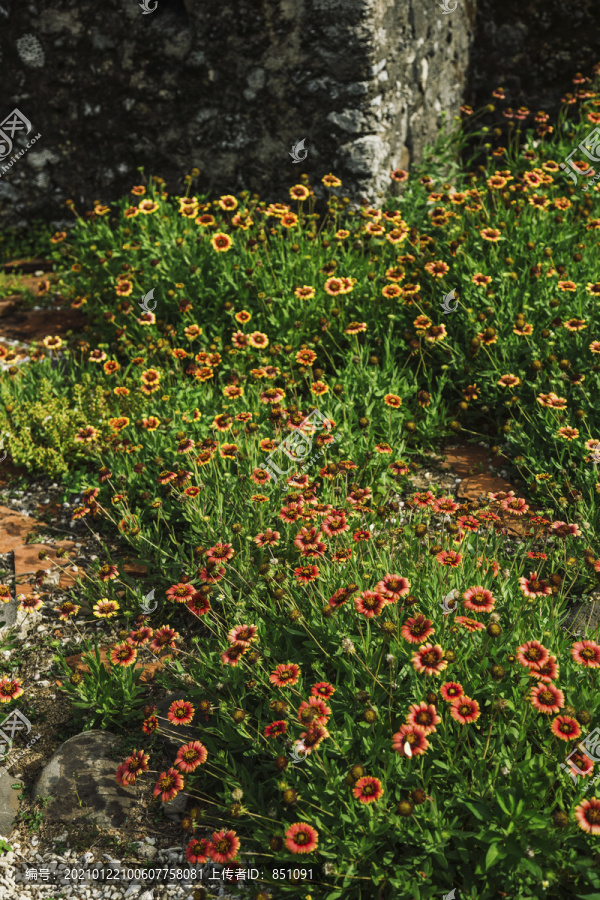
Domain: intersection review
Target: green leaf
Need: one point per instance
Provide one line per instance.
(480, 810)
(348, 874)
(492, 856)
(500, 800)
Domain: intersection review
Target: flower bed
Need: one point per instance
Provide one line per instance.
(380, 694)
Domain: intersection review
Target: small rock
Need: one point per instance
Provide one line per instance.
(175, 808)
(115, 863)
(147, 851)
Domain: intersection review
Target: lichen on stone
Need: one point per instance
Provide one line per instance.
(31, 51)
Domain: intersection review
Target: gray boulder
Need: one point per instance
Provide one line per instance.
(9, 802)
(80, 780)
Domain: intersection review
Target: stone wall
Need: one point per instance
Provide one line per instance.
(229, 86)
(533, 48)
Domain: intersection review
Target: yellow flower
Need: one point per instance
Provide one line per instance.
(52, 343)
(106, 608)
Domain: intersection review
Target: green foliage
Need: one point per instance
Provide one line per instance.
(10, 285)
(24, 243)
(40, 419)
(264, 315)
(110, 693)
(32, 818)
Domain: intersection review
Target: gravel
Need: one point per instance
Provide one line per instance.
(15, 886)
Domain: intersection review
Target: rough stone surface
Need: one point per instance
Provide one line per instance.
(583, 619)
(80, 780)
(227, 87)
(175, 808)
(230, 87)
(9, 802)
(533, 49)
